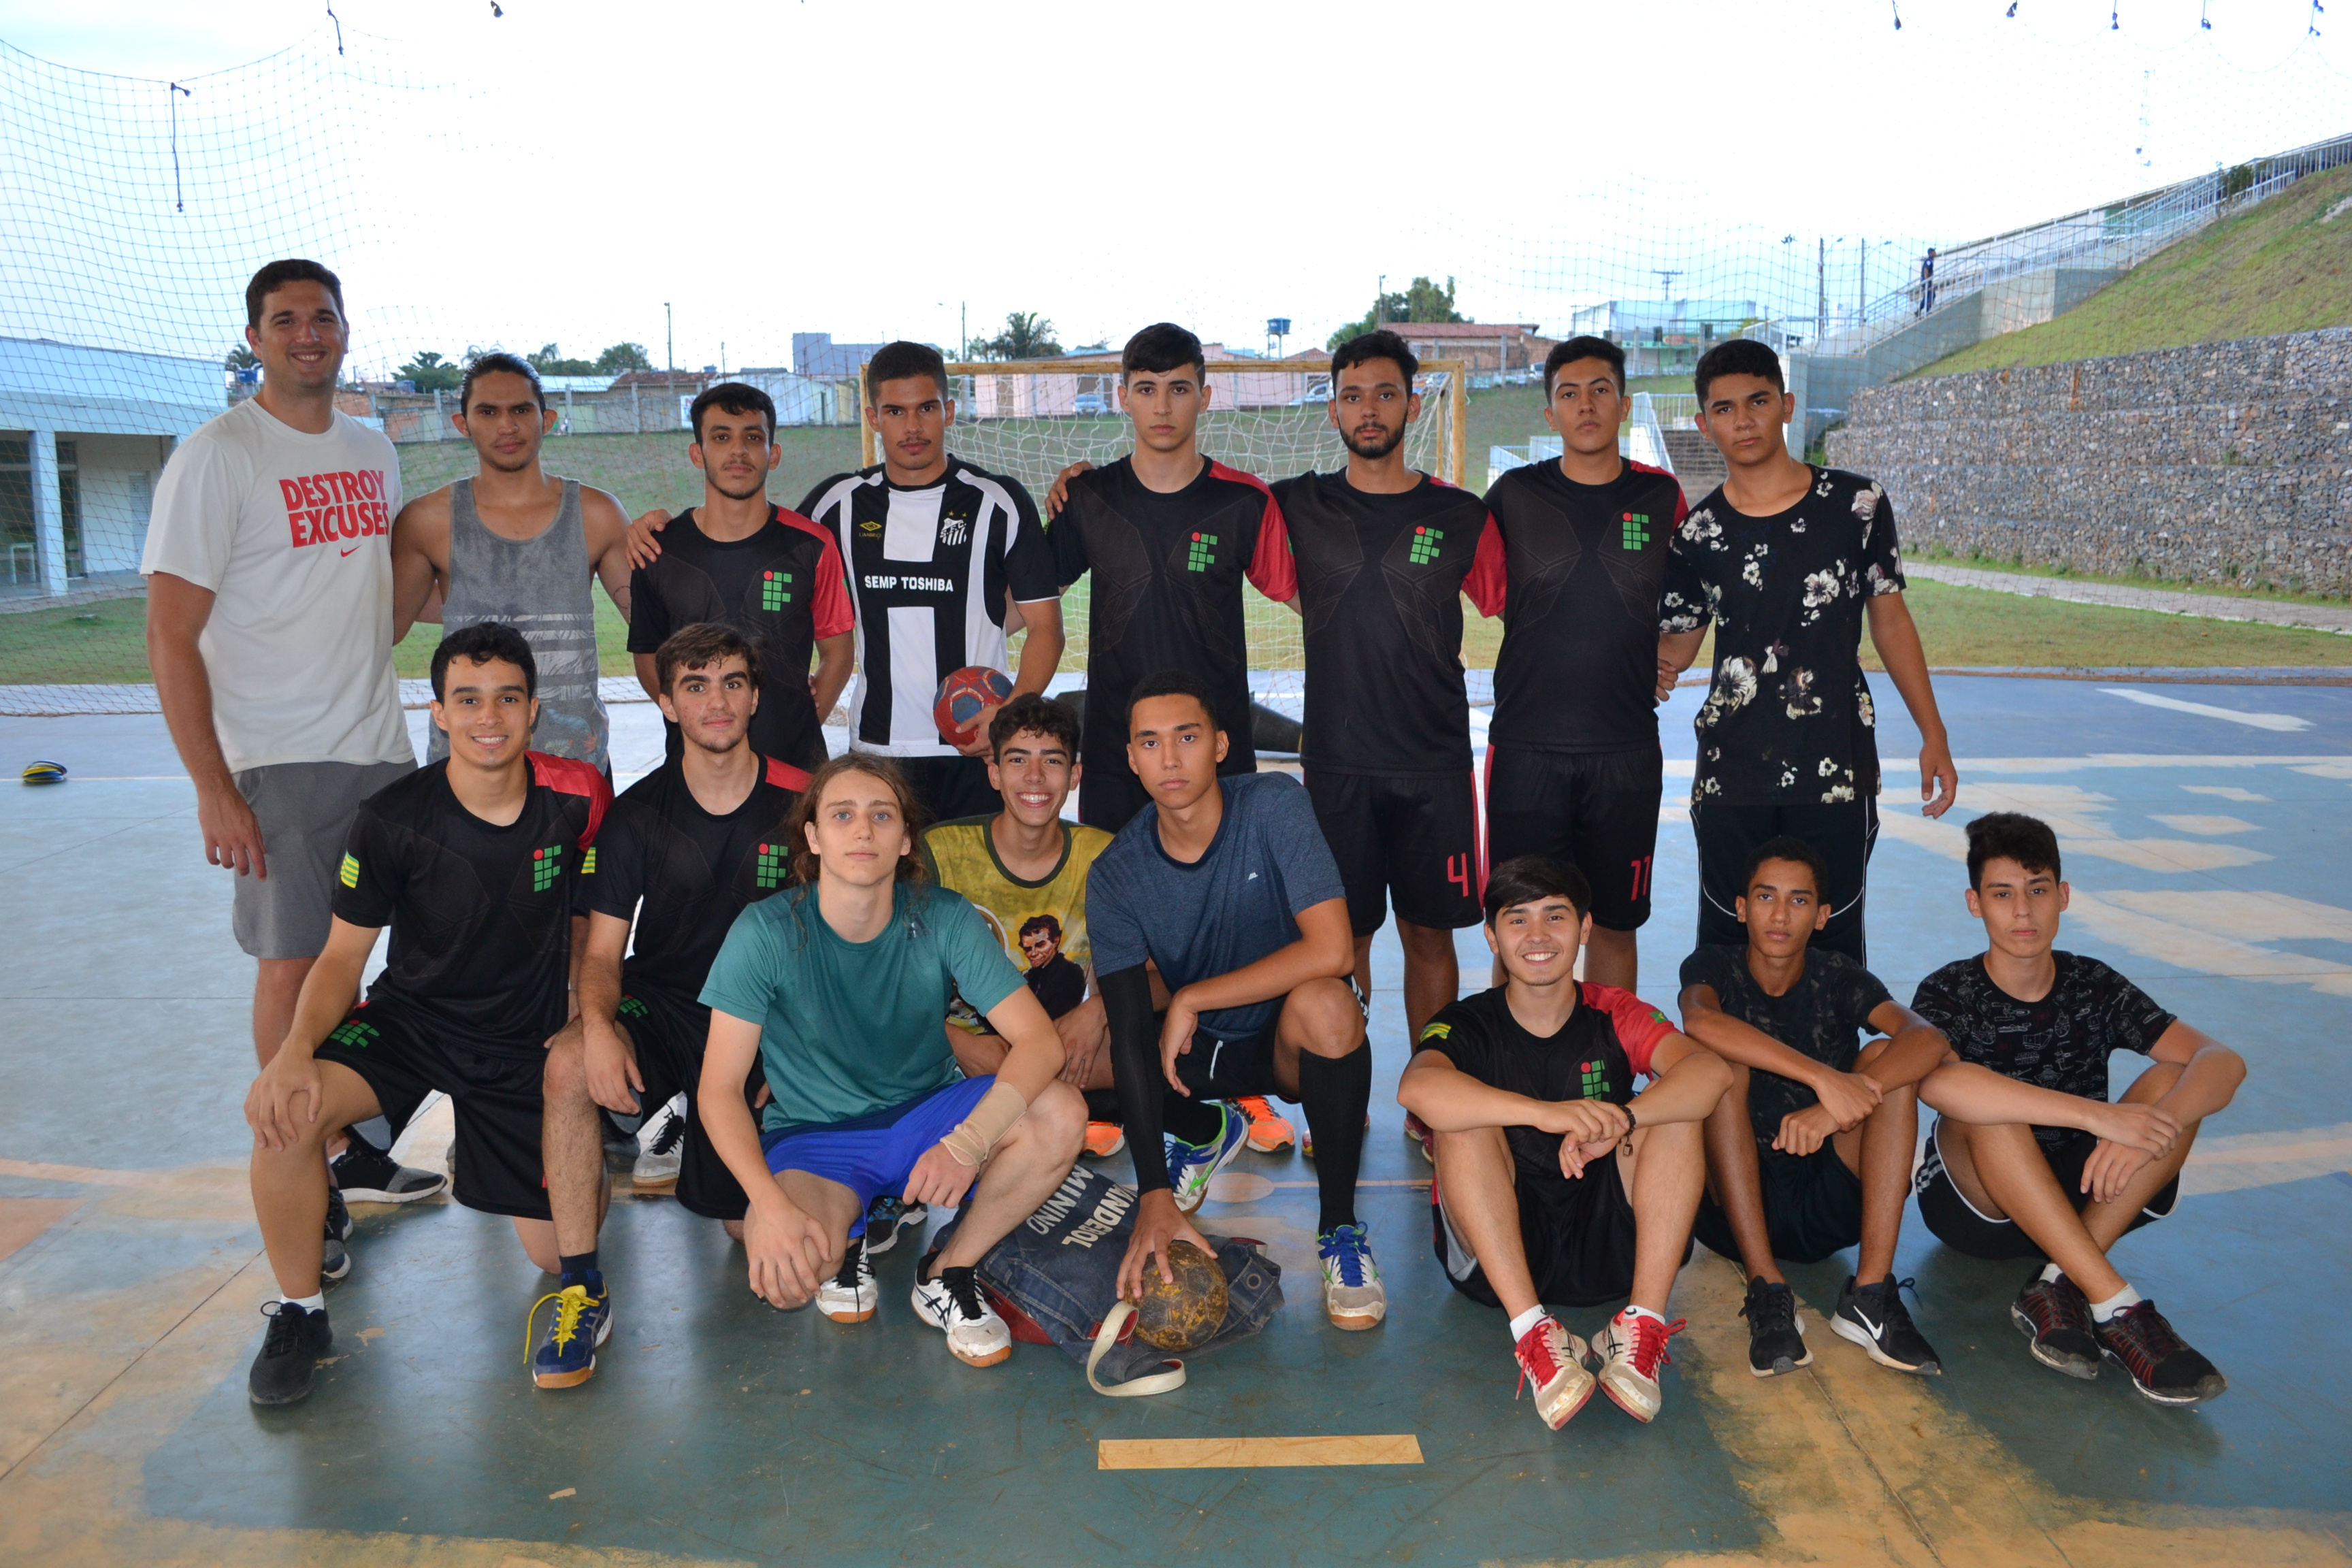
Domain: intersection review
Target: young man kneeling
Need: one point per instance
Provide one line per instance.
(1555, 1181)
(2028, 1159)
(474, 862)
(837, 988)
(1810, 1149)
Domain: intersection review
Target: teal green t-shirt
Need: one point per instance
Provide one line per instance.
(848, 1029)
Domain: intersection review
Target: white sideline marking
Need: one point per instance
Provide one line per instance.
(2282, 723)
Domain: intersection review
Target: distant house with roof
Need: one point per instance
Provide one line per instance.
(1663, 337)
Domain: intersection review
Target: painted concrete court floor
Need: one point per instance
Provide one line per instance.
(2209, 836)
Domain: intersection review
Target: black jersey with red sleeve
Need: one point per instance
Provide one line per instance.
(1606, 1043)
(783, 588)
(480, 913)
(1167, 590)
(695, 871)
(1381, 579)
(1586, 566)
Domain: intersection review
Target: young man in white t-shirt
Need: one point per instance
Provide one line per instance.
(270, 631)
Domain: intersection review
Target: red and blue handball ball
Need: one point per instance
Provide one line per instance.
(962, 696)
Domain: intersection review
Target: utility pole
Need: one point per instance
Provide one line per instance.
(1860, 280)
(1380, 302)
(1822, 298)
(669, 340)
(963, 329)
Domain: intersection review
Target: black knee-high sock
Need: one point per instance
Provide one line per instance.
(1191, 1118)
(1334, 1094)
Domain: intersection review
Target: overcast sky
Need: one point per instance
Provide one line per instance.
(867, 170)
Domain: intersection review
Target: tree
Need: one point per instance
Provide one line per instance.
(1424, 301)
(238, 358)
(550, 361)
(621, 358)
(428, 372)
(1026, 335)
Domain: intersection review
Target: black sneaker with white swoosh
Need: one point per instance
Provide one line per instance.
(1872, 1317)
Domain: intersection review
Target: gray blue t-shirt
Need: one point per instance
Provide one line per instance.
(850, 1028)
(1231, 907)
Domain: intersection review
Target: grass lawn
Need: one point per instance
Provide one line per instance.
(2278, 267)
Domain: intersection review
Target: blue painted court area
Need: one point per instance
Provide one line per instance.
(2208, 846)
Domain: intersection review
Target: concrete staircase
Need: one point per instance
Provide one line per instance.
(1697, 464)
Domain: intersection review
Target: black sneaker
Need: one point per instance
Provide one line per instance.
(2054, 1316)
(2162, 1367)
(366, 1174)
(889, 1216)
(1872, 1317)
(335, 1260)
(1775, 1340)
(289, 1354)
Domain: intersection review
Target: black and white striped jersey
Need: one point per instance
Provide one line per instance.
(928, 569)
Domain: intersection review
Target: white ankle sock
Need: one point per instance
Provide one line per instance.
(2125, 1298)
(1635, 1311)
(317, 1303)
(2051, 1275)
(1524, 1321)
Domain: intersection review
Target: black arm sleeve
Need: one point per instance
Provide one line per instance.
(1134, 1067)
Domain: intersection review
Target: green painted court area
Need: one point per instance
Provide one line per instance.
(2206, 846)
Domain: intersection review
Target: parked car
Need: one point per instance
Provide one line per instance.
(1090, 402)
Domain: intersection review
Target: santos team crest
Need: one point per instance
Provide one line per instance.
(954, 530)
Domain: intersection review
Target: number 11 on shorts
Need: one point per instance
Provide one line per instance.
(1642, 871)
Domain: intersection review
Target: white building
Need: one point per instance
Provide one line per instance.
(83, 433)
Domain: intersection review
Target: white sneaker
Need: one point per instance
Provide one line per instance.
(661, 1143)
(1354, 1296)
(852, 1294)
(1553, 1359)
(1631, 1349)
(975, 1333)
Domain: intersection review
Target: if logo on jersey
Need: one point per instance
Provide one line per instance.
(1425, 542)
(770, 871)
(352, 1034)
(1596, 1079)
(630, 1008)
(776, 590)
(1203, 552)
(546, 866)
(349, 875)
(1637, 529)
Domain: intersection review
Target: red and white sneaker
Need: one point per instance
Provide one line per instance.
(1632, 1349)
(1270, 1131)
(1553, 1359)
(1418, 1130)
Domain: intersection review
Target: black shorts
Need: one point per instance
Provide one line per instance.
(1579, 1235)
(1813, 1206)
(1842, 834)
(495, 1089)
(668, 1034)
(1596, 811)
(1412, 840)
(1957, 1224)
(1228, 1067)
(949, 787)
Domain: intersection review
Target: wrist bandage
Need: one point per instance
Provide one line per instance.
(976, 1134)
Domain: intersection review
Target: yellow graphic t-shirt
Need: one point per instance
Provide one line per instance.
(1042, 924)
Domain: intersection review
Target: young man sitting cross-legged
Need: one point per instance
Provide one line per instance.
(1026, 870)
(2028, 1159)
(837, 988)
(1810, 1149)
(474, 863)
(1555, 1181)
(1226, 885)
(684, 850)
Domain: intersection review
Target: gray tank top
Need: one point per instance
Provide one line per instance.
(540, 586)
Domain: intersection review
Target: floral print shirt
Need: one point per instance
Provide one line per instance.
(1788, 719)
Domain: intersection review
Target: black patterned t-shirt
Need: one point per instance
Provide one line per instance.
(1788, 719)
(2061, 1042)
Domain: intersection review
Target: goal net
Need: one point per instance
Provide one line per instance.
(1267, 417)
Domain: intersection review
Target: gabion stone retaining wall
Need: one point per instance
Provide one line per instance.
(2224, 462)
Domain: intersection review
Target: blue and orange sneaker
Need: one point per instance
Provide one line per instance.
(1193, 1166)
(566, 1351)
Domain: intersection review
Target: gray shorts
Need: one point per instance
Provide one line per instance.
(305, 812)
